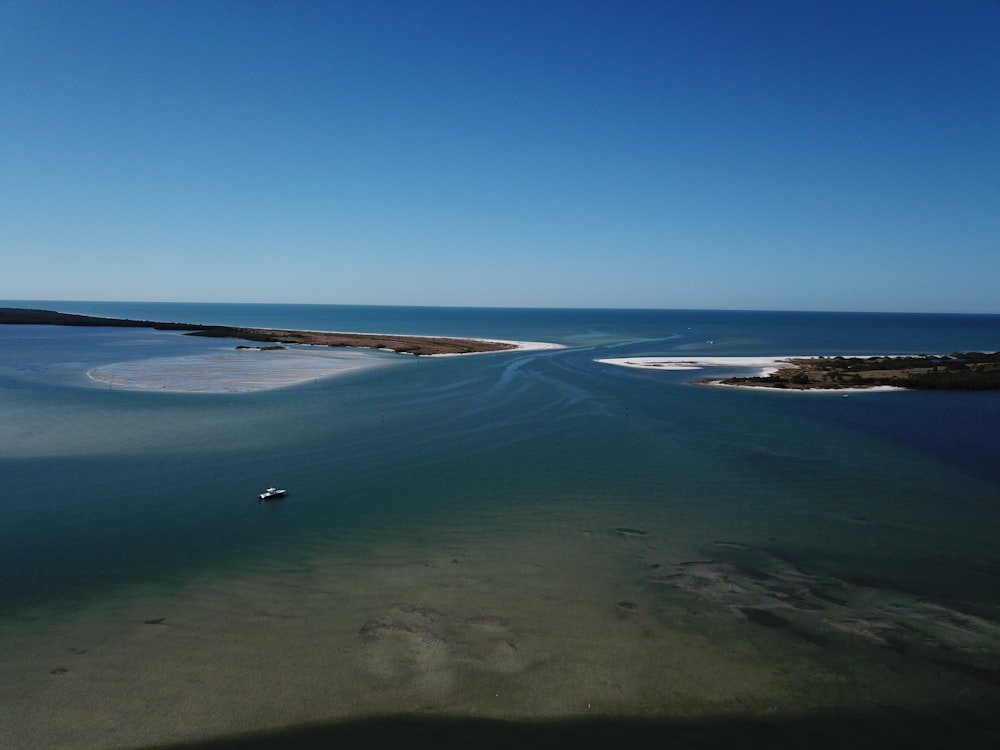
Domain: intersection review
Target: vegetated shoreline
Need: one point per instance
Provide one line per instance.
(402, 344)
(958, 371)
(968, 371)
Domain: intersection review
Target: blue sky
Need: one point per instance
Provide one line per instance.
(778, 154)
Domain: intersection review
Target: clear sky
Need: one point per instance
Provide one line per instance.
(742, 154)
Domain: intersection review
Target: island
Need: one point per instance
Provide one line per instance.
(958, 371)
(403, 344)
(969, 371)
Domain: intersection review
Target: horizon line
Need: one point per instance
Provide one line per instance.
(506, 307)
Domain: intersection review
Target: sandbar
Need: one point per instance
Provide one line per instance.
(249, 368)
(237, 371)
(418, 345)
(763, 365)
(276, 357)
(400, 343)
(958, 371)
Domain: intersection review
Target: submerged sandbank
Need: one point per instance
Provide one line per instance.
(247, 369)
(561, 616)
(239, 371)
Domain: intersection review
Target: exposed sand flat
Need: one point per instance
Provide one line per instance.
(765, 365)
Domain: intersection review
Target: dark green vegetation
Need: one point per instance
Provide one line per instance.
(971, 371)
(25, 316)
(401, 344)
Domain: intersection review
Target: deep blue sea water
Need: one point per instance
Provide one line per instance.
(528, 471)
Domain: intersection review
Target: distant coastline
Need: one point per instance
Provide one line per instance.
(402, 344)
(958, 371)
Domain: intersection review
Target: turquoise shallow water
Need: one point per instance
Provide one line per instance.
(512, 535)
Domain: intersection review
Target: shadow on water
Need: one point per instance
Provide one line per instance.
(891, 728)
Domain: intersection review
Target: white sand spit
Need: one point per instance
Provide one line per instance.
(764, 364)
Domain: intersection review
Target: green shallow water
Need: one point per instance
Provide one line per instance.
(518, 537)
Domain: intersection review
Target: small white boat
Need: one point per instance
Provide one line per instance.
(272, 493)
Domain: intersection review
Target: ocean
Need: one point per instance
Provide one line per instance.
(564, 547)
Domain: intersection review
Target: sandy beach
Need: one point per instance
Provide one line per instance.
(762, 366)
(523, 346)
